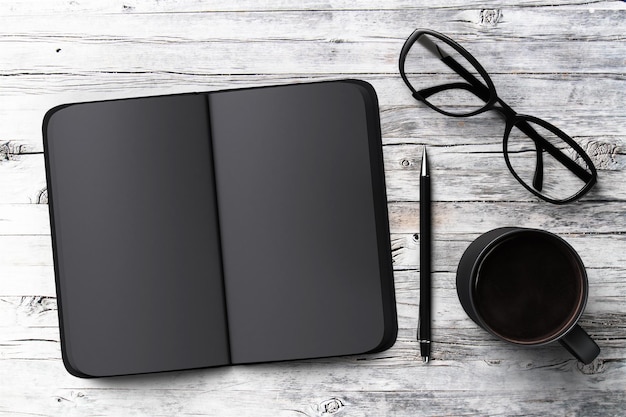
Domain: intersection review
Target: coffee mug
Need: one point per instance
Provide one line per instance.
(527, 287)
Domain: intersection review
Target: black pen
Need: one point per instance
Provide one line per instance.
(425, 259)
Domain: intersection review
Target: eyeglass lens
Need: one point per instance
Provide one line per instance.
(559, 174)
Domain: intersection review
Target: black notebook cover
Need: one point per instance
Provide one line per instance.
(219, 228)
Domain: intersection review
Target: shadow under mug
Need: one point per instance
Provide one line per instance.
(527, 287)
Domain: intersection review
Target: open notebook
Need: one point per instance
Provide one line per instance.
(219, 228)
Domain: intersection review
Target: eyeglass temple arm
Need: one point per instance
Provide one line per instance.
(482, 90)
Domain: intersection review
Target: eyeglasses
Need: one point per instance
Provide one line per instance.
(448, 79)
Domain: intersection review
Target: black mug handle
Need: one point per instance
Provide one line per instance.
(580, 344)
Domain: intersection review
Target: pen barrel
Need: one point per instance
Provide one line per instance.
(425, 259)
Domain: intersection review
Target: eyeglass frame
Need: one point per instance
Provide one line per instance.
(512, 118)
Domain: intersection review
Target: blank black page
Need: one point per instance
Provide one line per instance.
(296, 205)
(136, 241)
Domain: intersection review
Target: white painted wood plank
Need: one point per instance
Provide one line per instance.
(511, 24)
(229, 390)
(23, 180)
(277, 401)
(596, 250)
(24, 251)
(63, 54)
(29, 7)
(24, 219)
(27, 280)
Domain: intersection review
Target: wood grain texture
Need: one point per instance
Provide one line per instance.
(563, 61)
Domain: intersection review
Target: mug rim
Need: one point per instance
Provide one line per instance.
(506, 235)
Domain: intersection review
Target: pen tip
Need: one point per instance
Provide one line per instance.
(424, 162)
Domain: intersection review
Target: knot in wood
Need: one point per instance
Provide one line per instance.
(604, 155)
(405, 163)
(42, 196)
(4, 151)
(37, 304)
(9, 149)
(489, 17)
(596, 367)
(330, 406)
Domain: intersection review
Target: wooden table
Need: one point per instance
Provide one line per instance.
(564, 63)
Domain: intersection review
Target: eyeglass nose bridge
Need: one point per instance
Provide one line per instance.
(505, 110)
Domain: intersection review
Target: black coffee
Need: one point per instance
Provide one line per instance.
(529, 288)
